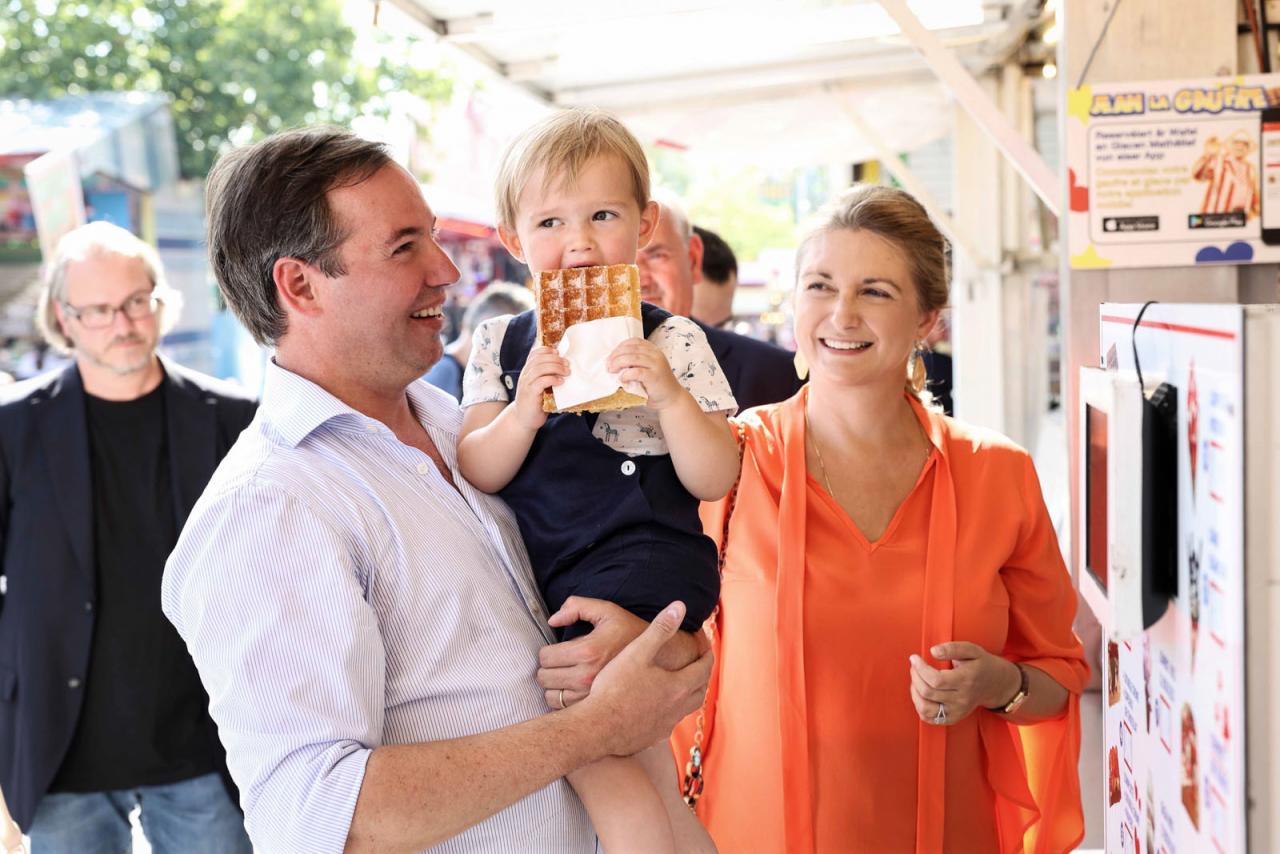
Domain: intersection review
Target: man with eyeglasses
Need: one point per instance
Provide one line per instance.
(101, 708)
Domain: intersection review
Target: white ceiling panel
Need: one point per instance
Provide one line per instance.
(764, 81)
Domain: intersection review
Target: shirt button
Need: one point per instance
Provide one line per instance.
(372, 428)
(73, 683)
(422, 468)
(88, 606)
(629, 468)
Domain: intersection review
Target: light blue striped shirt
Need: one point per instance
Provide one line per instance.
(338, 594)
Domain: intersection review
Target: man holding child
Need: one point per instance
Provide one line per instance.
(364, 619)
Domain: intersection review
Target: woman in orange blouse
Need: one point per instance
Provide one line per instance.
(896, 669)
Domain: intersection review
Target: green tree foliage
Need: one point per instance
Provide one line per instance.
(733, 204)
(740, 203)
(235, 69)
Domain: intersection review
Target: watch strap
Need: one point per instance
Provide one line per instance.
(1019, 697)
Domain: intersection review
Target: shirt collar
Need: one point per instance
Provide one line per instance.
(295, 407)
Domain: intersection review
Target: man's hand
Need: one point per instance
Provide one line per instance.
(410, 798)
(543, 370)
(977, 679)
(640, 360)
(573, 665)
(638, 701)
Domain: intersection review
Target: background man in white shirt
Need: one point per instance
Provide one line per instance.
(363, 619)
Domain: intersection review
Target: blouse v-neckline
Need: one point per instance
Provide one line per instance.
(833, 504)
(886, 536)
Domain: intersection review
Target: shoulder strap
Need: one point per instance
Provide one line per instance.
(521, 333)
(694, 776)
(651, 317)
(732, 497)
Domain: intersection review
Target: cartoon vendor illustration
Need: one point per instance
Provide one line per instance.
(1231, 174)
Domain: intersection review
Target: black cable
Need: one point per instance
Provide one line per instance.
(1133, 338)
(1102, 35)
(1264, 28)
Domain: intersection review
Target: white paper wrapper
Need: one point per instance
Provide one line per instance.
(587, 347)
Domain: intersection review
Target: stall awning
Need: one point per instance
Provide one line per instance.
(127, 136)
(767, 82)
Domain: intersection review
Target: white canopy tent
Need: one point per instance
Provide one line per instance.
(763, 82)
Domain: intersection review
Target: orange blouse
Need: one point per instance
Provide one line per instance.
(811, 741)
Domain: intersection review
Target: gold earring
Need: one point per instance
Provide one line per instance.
(917, 369)
(802, 365)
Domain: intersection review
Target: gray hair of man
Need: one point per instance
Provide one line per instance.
(498, 298)
(673, 208)
(95, 240)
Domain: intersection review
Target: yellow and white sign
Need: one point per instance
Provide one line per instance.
(1174, 173)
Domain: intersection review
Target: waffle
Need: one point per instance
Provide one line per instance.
(566, 297)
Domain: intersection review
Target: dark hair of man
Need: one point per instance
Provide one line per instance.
(268, 201)
(718, 261)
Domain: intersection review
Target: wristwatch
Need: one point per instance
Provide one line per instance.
(1018, 698)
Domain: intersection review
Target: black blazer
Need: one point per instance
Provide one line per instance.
(758, 372)
(46, 544)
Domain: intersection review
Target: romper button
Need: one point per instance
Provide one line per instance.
(507, 380)
(629, 468)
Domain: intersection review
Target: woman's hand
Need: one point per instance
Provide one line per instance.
(544, 369)
(572, 666)
(976, 679)
(640, 360)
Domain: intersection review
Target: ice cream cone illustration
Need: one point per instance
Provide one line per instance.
(1190, 767)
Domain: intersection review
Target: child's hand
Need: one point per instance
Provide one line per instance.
(639, 360)
(544, 369)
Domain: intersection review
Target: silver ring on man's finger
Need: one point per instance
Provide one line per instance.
(941, 717)
(562, 705)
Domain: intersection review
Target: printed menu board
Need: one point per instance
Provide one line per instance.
(1174, 173)
(1175, 705)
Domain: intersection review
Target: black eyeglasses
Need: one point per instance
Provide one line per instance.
(137, 306)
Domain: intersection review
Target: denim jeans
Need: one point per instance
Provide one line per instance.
(191, 817)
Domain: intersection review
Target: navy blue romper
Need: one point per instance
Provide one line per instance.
(600, 523)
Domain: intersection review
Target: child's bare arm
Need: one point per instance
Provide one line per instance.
(702, 448)
(701, 444)
(496, 436)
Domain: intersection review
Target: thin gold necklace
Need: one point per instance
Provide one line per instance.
(817, 449)
(822, 467)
